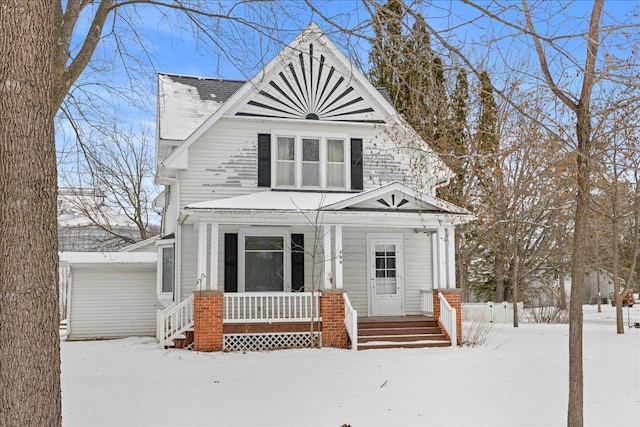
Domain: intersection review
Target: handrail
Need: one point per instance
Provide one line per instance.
(269, 307)
(174, 321)
(351, 322)
(427, 301)
(448, 319)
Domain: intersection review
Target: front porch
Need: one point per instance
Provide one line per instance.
(252, 322)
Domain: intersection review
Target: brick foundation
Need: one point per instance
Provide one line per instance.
(207, 321)
(334, 332)
(454, 298)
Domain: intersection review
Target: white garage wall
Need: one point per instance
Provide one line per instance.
(112, 301)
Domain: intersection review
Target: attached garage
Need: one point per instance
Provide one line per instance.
(110, 295)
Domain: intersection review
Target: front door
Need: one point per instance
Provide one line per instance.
(386, 276)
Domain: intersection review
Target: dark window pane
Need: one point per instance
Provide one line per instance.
(167, 269)
(263, 243)
(310, 150)
(264, 272)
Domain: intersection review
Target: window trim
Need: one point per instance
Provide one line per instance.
(160, 246)
(323, 137)
(285, 233)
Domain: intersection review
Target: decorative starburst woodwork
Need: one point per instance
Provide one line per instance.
(309, 89)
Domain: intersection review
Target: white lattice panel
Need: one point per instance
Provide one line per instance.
(271, 341)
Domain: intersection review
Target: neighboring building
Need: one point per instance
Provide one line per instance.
(298, 180)
(605, 279)
(78, 233)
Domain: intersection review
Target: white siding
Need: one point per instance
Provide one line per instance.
(113, 301)
(417, 266)
(188, 257)
(171, 210)
(223, 162)
(417, 262)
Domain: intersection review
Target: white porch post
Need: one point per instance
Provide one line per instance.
(435, 263)
(201, 267)
(442, 258)
(451, 257)
(338, 256)
(213, 258)
(326, 229)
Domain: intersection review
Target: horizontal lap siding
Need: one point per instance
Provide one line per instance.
(171, 211)
(417, 269)
(354, 267)
(224, 161)
(188, 259)
(110, 301)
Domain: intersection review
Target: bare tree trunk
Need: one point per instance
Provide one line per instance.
(514, 284)
(562, 304)
(29, 339)
(576, 402)
(616, 281)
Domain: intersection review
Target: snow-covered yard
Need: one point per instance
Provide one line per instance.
(519, 377)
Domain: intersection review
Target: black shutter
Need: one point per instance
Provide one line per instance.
(297, 262)
(356, 164)
(230, 262)
(264, 160)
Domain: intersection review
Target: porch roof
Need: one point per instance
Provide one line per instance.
(292, 200)
(394, 202)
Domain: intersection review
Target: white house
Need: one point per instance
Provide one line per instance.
(296, 181)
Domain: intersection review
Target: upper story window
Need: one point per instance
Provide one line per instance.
(310, 162)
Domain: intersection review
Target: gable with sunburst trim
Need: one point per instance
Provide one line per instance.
(398, 197)
(310, 85)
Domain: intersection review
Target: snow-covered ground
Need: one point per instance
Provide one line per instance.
(519, 377)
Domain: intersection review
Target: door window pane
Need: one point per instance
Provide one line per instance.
(385, 269)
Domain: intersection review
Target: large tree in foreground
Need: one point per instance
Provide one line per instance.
(29, 341)
(44, 52)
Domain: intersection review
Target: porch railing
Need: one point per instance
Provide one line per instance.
(448, 319)
(267, 307)
(351, 322)
(426, 295)
(173, 321)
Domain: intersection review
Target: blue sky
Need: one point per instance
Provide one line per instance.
(239, 53)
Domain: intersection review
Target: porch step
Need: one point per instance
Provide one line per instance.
(400, 332)
(186, 341)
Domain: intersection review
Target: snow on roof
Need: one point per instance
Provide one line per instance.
(275, 200)
(107, 257)
(185, 102)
